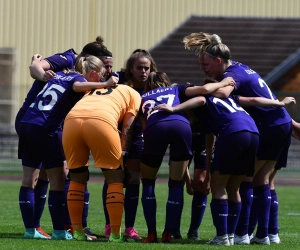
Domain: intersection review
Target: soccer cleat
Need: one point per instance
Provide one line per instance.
(251, 237)
(219, 240)
(82, 236)
(41, 231)
(231, 239)
(61, 235)
(262, 241)
(88, 232)
(274, 238)
(176, 235)
(116, 239)
(69, 228)
(107, 231)
(241, 240)
(152, 238)
(32, 233)
(193, 235)
(166, 237)
(131, 233)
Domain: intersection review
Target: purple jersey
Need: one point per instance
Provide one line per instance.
(54, 102)
(61, 61)
(58, 62)
(224, 116)
(170, 96)
(250, 84)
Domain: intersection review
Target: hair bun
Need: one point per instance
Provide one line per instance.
(215, 39)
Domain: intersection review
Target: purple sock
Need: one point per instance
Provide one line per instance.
(253, 215)
(177, 224)
(131, 203)
(174, 203)
(40, 195)
(246, 193)
(219, 212)
(263, 195)
(26, 203)
(198, 208)
(85, 207)
(57, 203)
(104, 192)
(149, 204)
(234, 210)
(273, 220)
(67, 219)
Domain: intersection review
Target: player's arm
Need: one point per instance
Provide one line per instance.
(40, 69)
(87, 86)
(189, 104)
(296, 130)
(188, 182)
(127, 129)
(264, 102)
(209, 87)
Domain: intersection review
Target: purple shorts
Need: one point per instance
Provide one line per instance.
(38, 147)
(175, 133)
(235, 154)
(274, 144)
(137, 143)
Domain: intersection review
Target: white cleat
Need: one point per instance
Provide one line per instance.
(274, 238)
(262, 241)
(241, 240)
(219, 240)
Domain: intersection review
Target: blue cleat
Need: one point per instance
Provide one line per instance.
(32, 233)
(61, 235)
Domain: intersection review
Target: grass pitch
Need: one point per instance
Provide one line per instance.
(12, 229)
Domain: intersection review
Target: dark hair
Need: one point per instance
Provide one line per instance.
(157, 80)
(138, 53)
(96, 48)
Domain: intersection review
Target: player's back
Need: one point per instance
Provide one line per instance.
(224, 116)
(250, 84)
(109, 105)
(54, 102)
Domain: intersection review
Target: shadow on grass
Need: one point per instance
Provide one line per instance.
(11, 235)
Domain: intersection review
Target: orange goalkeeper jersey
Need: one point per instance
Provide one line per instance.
(109, 105)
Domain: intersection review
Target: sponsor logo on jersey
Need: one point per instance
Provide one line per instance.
(63, 57)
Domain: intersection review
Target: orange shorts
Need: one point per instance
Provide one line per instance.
(84, 135)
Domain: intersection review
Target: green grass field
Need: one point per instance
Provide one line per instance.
(12, 229)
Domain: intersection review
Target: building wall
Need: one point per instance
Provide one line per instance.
(51, 26)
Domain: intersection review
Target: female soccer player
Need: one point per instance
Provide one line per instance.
(234, 154)
(40, 143)
(215, 60)
(44, 70)
(161, 130)
(136, 71)
(92, 126)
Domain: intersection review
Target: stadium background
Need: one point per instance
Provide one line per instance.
(28, 27)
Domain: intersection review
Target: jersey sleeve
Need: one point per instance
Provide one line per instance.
(181, 91)
(135, 102)
(61, 61)
(80, 78)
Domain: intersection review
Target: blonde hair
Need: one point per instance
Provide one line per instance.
(201, 43)
(85, 64)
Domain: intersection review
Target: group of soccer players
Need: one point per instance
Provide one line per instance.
(68, 114)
